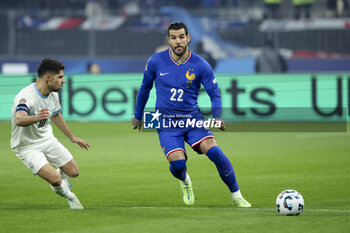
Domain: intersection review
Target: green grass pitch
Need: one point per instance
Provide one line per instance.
(125, 184)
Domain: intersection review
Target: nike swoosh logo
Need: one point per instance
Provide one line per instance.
(162, 74)
(228, 173)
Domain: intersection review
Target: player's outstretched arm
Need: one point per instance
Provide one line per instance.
(62, 125)
(136, 124)
(23, 119)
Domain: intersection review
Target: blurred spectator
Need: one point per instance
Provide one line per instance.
(302, 5)
(94, 68)
(270, 60)
(206, 55)
(331, 8)
(337, 8)
(131, 8)
(96, 8)
(272, 9)
(342, 8)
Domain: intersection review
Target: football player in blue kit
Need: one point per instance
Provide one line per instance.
(178, 74)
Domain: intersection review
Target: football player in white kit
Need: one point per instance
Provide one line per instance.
(32, 139)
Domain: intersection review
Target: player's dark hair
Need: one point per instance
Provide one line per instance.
(48, 65)
(177, 26)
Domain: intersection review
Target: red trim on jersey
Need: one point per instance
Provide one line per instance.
(188, 58)
(196, 143)
(172, 151)
(176, 63)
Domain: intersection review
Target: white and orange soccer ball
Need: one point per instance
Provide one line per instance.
(289, 202)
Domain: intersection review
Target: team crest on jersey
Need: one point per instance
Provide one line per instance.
(190, 77)
(23, 101)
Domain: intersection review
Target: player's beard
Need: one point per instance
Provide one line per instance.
(184, 49)
(52, 88)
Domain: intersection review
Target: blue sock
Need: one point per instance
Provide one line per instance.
(178, 169)
(224, 167)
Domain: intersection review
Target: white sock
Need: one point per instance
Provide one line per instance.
(63, 190)
(236, 195)
(187, 179)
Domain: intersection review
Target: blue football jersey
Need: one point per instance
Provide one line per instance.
(177, 85)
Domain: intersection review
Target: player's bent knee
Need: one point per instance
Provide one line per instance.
(177, 155)
(73, 172)
(207, 144)
(55, 180)
(71, 169)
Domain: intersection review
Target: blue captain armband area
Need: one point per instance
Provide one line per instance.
(22, 107)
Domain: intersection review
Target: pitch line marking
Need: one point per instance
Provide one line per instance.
(167, 208)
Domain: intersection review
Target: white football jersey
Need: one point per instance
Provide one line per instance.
(31, 101)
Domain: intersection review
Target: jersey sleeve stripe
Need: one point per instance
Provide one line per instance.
(58, 111)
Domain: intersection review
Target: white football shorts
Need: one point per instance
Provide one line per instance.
(52, 152)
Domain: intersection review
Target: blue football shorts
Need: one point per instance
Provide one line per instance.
(172, 140)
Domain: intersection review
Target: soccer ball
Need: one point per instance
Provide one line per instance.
(289, 202)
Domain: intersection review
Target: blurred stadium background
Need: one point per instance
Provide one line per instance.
(236, 37)
(120, 35)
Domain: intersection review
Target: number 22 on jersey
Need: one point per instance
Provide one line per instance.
(176, 94)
